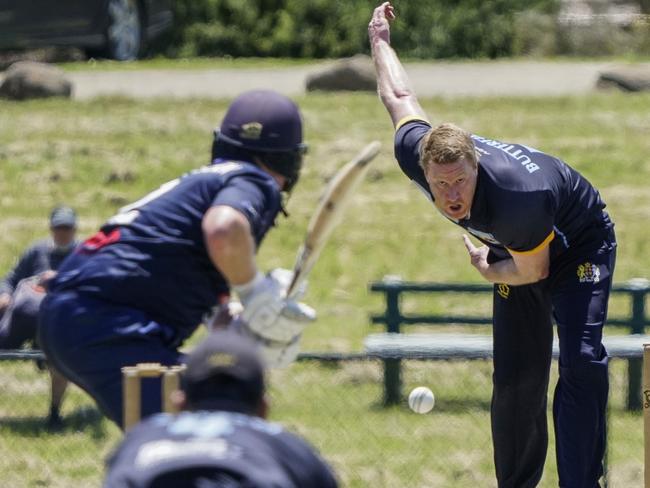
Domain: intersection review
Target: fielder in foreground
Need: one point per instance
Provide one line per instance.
(221, 437)
(136, 290)
(548, 247)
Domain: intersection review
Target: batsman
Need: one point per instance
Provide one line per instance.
(549, 248)
(138, 288)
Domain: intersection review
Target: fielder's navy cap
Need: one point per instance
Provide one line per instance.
(63, 217)
(263, 120)
(224, 372)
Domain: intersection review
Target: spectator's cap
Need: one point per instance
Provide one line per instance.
(63, 217)
(224, 372)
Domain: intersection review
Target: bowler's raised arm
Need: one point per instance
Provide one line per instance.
(392, 81)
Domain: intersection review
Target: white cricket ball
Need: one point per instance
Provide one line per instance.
(421, 399)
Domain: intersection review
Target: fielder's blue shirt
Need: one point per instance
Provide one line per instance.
(524, 198)
(152, 256)
(221, 449)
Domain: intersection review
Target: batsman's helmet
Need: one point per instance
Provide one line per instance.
(265, 124)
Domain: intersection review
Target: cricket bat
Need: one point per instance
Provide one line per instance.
(329, 212)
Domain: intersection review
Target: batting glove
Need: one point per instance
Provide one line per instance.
(268, 313)
(275, 354)
(284, 277)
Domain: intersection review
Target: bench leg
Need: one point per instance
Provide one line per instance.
(634, 369)
(392, 382)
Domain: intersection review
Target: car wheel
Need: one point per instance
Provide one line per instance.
(123, 30)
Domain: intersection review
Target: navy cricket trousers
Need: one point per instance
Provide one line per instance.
(90, 340)
(575, 295)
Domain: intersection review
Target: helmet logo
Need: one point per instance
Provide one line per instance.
(251, 130)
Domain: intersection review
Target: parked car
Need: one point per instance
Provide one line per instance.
(116, 29)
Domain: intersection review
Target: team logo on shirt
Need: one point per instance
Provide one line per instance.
(503, 290)
(588, 273)
(168, 450)
(252, 130)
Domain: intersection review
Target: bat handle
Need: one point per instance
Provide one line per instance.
(293, 286)
(298, 268)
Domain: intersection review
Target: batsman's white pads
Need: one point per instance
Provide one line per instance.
(268, 313)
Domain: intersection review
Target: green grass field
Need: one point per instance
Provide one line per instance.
(98, 155)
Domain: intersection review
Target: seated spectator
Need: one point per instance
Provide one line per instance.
(23, 289)
(221, 437)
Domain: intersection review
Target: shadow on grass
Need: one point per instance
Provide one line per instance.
(84, 419)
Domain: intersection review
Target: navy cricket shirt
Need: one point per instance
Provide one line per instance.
(152, 254)
(524, 198)
(220, 449)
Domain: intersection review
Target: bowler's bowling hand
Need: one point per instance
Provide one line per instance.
(379, 28)
(477, 255)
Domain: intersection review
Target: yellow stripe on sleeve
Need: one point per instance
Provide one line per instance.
(543, 244)
(409, 118)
